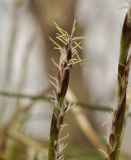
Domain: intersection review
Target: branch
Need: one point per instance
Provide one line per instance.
(26, 141)
(23, 96)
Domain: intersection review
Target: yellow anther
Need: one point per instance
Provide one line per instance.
(73, 28)
(55, 43)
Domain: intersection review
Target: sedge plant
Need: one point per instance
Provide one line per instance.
(119, 116)
(67, 45)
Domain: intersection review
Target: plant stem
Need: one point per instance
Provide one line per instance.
(60, 108)
(68, 58)
(123, 75)
(41, 96)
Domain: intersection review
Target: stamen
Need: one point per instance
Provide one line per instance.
(60, 29)
(55, 43)
(73, 28)
(63, 41)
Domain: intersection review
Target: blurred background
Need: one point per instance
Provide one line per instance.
(25, 65)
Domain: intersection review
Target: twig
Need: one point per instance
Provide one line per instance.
(23, 96)
(26, 141)
(84, 123)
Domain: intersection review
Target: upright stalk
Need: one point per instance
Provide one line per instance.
(123, 75)
(67, 47)
(60, 108)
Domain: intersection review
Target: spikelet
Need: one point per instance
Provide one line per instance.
(68, 46)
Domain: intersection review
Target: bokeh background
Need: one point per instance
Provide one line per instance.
(25, 65)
